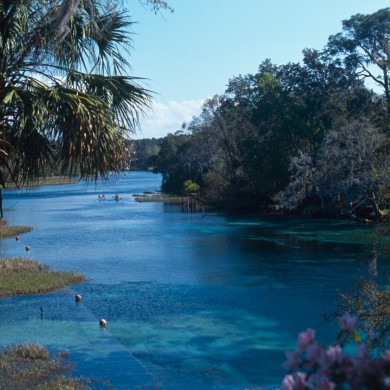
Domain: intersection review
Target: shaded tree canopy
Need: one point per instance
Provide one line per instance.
(296, 134)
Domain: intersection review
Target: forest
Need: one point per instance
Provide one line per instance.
(309, 137)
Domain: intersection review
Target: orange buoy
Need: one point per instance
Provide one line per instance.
(77, 297)
(27, 248)
(103, 323)
(17, 238)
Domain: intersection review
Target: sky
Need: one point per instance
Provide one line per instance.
(190, 55)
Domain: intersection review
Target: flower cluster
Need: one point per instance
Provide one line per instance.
(313, 366)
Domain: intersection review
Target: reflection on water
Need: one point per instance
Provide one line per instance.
(192, 301)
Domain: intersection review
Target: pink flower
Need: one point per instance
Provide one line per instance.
(293, 361)
(321, 382)
(386, 356)
(288, 383)
(335, 355)
(348, 323)
(314, 353)
(296, 381)
(361, 358)
(305, 339)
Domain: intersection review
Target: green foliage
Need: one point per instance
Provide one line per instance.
(370, 302)
(317, 116)
(190, 187)
(145, 153)
(65, 99)
(363, 45)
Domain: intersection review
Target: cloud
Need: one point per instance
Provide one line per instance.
(168, 118)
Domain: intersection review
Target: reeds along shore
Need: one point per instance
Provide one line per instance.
(12, 231)
(30, 366)
(21, 276)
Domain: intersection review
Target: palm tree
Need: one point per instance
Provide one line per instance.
(65, 98)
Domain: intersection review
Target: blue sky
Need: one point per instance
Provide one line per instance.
(190, 55)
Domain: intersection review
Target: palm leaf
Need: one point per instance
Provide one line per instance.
(54, 111)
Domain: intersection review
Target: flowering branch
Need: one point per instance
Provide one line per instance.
(313, 366)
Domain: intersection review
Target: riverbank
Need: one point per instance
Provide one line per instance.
(45, 181)
(188, 203)
(157, 197)
(7, 231)
(30, 366)
(20, 276)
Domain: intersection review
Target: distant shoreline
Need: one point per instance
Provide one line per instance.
(44, 181)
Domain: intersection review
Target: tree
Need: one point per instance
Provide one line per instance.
(169, 165)
(364, 46)
(156, 5)
(145, 152)
(305, 116)
(66, 98)
(191, 188)
(342, 174)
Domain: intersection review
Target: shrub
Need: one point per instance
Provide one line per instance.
(341, 366)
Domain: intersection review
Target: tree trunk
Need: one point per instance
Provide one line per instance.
(378, 212)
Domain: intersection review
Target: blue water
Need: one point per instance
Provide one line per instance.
(192, 301)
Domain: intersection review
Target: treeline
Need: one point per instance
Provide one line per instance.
(144, 153)
(310, 136)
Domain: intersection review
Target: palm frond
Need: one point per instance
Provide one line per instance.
(87, 136)
(126, 97)
(96, 40)
(64, 98)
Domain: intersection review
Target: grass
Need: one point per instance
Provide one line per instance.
(159, 198)
(12, 231)
(45, 181)
(30, 366)
(20, 276)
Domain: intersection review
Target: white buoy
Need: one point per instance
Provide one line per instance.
(103, 323)
(77, 297)
(27, 248)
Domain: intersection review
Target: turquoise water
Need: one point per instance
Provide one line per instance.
(192, 301)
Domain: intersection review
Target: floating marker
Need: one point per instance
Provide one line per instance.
(102, 323)
(77, 297)
(17, 238)
(27, 248)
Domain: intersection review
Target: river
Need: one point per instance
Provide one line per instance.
(192, 301)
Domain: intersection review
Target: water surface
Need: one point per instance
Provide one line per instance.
(192, 301)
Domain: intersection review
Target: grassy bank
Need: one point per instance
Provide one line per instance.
(12, 231)
(158, 198)
(30, 366)
(20, 276)
(46, 181)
